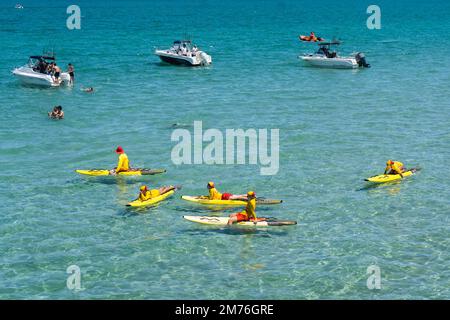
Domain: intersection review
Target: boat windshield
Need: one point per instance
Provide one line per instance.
(40, 63)
(325, 49)
(182, 46)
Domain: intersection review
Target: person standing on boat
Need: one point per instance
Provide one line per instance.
(194, 51)
(70, 71)
(57, 72)
(184, 49)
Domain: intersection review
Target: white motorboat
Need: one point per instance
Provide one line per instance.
(327, 58)
(183, 52)
(35, 73)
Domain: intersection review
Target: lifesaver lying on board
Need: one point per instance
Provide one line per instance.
(310, 39)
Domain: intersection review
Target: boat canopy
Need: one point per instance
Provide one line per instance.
(182, 41)
(42, 57)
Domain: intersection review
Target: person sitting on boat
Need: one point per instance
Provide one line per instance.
(394, 167)
(194, 51)
(41, 66)
(146, 194)
(123, 163)
(184, 49)
(325, 52)
(249, 213)
(57, 113)
(216, 195)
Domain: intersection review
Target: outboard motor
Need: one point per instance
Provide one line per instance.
(205, 59)
(361, 60)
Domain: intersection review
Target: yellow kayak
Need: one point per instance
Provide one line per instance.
(205, 201)
(132, 172)
(382, 178)
(155, 200)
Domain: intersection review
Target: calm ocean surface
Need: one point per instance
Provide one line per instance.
(337, 127)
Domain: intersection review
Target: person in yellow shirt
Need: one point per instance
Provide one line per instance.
(394, 167)
(249, 213)
(216, 195)
(146, 194)
(123, 164)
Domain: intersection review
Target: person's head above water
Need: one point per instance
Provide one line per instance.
(119, 150)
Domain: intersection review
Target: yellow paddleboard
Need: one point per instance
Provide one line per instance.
(133, 172)
(205, 201)
(155, 200)
(382, 178)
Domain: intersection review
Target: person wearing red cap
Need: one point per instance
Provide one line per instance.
(249, 213)
(394, 167)
(216, 195)
(123, 164)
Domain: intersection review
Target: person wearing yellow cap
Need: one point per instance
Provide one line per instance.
(216, 195)
(123, 164)
(394, 167)
(249, 213)
(146, 194)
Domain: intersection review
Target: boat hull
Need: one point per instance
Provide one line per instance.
(29, 77)
(333, 63)
(198, 60)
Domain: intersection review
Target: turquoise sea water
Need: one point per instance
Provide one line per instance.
(336, 128)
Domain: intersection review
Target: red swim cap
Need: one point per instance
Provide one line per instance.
(119, 149)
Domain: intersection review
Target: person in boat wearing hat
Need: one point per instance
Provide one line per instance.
(146, 194)
(216, 195)
(249, 213)
(123, 164)
(394, 167)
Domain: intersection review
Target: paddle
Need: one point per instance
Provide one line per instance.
(149, 172)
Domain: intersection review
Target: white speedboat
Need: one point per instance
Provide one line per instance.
(34, 73)
(327, 58)
(184, 53)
